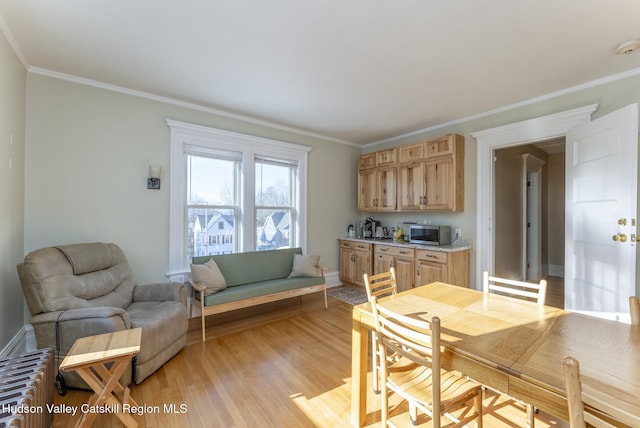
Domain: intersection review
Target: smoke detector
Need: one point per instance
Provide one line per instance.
(625, 48)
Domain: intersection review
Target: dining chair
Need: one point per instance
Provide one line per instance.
(578, 416)
(535, 291)
(379, 285)
(634, 310)
(417, 376)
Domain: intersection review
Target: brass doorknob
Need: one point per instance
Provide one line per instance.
(620, 237)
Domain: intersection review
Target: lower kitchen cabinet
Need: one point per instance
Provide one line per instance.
(449, 267)
(402, 259)
(414, 266)
(355, 261)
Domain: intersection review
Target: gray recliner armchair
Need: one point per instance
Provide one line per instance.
(89, 289)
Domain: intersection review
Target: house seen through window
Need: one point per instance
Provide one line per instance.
(237, 193)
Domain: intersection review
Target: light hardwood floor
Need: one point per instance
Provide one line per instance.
(284, 364)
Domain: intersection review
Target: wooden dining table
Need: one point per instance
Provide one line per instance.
(515, 347)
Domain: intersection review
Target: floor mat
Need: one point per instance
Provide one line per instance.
(351, 295)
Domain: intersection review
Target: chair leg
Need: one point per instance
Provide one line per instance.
(375, 360)
(413, 413)
(477, 403)
(384, 409)
(531, 417)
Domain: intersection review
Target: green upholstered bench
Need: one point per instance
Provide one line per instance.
(253, 278)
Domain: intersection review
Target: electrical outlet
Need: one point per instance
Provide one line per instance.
(458, 233)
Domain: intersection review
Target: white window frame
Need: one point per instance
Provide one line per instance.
(183, 133)
(291, 209)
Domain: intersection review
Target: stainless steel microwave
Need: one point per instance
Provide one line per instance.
(429, 235)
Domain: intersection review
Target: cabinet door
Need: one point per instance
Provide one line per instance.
(411, 152)
(386, 157)
(346, 265)
(410, 186)
(439, 146)
(382, 263)
(367, 189)
(361, 265)
(404, 273)
(439, 184)
(367, 161)
(428, 272)
(386, 200)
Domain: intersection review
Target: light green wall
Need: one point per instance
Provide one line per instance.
(13, 79)
(88, 152)
(609, 96)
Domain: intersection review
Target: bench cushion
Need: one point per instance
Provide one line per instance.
(257, 289)
(253, 266)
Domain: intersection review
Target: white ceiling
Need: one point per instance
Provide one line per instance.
(356, 71)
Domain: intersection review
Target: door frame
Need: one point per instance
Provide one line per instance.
(531, 217)
(514, 134)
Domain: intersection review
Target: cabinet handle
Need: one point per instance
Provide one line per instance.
(383, 249)
(417, 271)
(404, 252)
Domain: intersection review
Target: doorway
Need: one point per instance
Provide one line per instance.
(529, 214)
(532, 131)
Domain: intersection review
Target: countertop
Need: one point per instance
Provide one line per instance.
(459, 245)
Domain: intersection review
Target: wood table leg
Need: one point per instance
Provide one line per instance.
(359, 353)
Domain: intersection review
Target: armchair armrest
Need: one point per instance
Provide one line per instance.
(160, 292)
(324, 269)
(75, 323)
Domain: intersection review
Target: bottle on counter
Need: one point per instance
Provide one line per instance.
(398, 236)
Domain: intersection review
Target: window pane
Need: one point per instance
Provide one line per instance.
(273, 184)
(211, 231)
(211, 181)
(273, 229)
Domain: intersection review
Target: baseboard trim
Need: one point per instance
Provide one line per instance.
(23, 341)
(556, 270)
(332, 279)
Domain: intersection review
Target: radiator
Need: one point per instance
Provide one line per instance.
(26, 389)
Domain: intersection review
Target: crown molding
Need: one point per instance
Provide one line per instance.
(184, 104)
(546, 97)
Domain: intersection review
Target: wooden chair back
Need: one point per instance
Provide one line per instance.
(519, 289)
(634, 310)
(576, 400)
(415, 374)
(381, 285)
(416, 340)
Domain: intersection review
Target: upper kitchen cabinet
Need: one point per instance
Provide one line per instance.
(377, 180)
(431, 175)
(411, 186)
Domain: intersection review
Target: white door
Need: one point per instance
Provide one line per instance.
(601, 182)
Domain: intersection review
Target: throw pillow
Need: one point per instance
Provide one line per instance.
(304, 266)
(209, 275)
